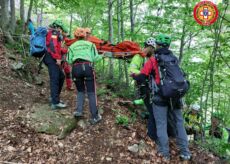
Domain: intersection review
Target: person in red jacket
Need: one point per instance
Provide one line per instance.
(161, 105)
(53, 60)
(66, 67)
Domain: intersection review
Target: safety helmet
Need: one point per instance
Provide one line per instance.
(150, 42)
(88, 30)
(163, 40)
(80, 33)
(57, 23)
(195, 107)
(65, 29)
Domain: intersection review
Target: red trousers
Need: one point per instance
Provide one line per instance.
(67, 70)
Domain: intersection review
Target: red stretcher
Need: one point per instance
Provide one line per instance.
(125, 49)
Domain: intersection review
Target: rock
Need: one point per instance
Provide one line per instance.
(17, 66)
(43, 92)
(20, 107)
(142, 147)
(100, 110)
(60, 144)
(29, 149)
(146, 162)
(108, 159)
(134, 148)
(82, 124)
(11, 148)
(38, 80)
(133, 134)
(10, 56)
(45, 120)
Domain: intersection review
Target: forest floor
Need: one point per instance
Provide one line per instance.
(106, 142)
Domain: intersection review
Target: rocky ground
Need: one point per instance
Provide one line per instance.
(106, 142)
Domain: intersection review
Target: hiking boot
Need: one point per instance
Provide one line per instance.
(58, 106)
(77, 114)
(138, 102)
(95, 120)
(185, 157)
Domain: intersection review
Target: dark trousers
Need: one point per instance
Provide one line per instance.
(57, 78)
(84, 79)
(151, 125)
(144, 92)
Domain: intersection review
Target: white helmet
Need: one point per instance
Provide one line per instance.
(150, 42)
(195, 107)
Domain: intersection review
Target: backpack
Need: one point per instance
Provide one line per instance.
(173, 83)
(38, 42)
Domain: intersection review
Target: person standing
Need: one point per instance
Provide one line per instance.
(82, 54)
(145, 94)
(65, 65)
(193, 121)
(161, 105)
(53, 60)
(30, 26)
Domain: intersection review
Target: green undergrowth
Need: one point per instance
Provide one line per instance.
(219, 147)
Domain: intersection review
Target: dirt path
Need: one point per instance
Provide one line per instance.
(105, 142)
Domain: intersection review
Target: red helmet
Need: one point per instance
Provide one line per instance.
(80, 33)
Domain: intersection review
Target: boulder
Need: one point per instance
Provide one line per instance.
(44, 120)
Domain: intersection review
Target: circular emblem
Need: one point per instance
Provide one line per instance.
(205, 13)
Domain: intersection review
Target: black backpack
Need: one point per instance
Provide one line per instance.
(173, 83)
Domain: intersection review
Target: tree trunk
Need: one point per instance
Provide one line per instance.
(4, 14)
(41, 15)
(30, 10)
(22, 12)
(110, 17)
(126, 74)
(12, 16)
(119, 33)
(5, 20)
(131, 18)
(182, 43)
(110, 7)
(70, 24)
(122, 22)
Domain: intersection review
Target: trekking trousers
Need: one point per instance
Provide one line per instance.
(160, 113)
(57, 78)
(84, 79)
(67, 70)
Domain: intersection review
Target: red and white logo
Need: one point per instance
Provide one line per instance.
(205, 13)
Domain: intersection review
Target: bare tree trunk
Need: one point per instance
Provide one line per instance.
(70, 24)
(182, 43)
(119, 33)
(12, 16)
(22, 12)
(4, 14)
(126, 74)
(122, 22)
(30, 10)
(41, 15)
(110, 17)
(5, 20)
(131, 18)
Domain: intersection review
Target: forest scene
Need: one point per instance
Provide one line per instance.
(114, 81)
